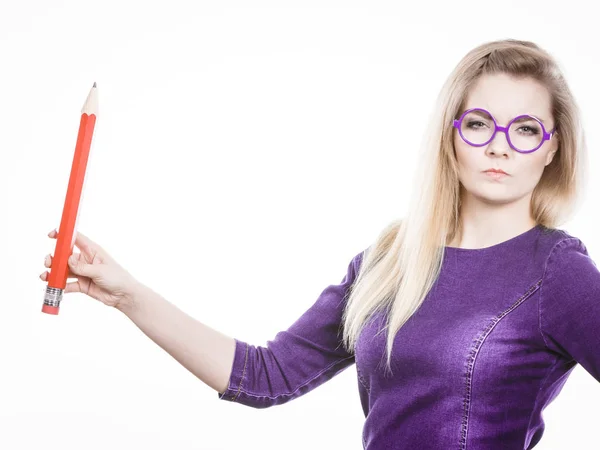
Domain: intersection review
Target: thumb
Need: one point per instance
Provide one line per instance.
(80, 267)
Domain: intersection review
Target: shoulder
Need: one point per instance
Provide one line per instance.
(569, 302)
(565, 251)
(555, 245)
(569, 274)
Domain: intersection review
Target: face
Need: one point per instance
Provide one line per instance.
(505, 98)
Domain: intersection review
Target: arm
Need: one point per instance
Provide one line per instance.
(306, 355)
(570, 305)
(205, 352)
(309, 353)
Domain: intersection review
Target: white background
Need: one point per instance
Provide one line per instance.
(244, 152)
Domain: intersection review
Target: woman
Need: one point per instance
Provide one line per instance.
(480, 306)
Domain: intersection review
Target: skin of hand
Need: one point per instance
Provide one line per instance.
(98, 274)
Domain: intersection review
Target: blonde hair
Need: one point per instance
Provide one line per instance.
(401, 266)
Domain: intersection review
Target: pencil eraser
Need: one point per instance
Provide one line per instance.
(49, 309)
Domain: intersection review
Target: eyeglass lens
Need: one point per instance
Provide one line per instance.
(524, 134)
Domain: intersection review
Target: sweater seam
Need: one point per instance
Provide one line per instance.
(240, 389)
(542, 383)
(546, 275)
(472, 358)
(251, 394)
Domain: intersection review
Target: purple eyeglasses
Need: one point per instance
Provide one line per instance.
(525, 133)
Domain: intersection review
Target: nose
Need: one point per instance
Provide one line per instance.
(499, 144)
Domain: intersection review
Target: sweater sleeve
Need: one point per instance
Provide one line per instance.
(306, 355)
(570, 305)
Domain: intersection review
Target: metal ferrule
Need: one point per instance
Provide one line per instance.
(53, 296)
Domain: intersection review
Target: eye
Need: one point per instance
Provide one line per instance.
(530, 130)
(475, 124)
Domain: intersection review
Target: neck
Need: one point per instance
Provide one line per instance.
(486, 224)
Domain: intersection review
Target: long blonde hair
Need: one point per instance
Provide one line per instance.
(401, 266)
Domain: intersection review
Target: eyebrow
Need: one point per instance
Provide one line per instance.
(481, 114)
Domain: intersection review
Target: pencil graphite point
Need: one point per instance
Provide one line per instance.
(94, 84)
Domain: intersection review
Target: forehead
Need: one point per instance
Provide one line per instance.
(507, 97)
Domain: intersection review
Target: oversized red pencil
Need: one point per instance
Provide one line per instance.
(57, 279)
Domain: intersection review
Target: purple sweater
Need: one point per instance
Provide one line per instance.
(491, 346)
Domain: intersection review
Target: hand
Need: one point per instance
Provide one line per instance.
(98, 274)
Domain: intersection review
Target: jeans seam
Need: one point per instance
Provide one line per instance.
(361, 380)
(472, 356)
(243, 375)
(251, 394)
(556, 360)
(546, 275)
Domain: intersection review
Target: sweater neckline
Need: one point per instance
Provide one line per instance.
(509, 243)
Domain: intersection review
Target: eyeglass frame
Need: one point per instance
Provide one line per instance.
(546, 136)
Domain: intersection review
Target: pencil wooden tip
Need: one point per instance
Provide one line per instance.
(94, 84)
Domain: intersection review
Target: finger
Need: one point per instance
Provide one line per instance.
(83, 268)
(81, 241)
(85, 244)
(44, 276)
(73, 286)
(48, 263)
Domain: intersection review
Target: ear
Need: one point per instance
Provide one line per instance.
(554, 149)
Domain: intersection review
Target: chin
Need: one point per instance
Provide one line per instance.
(492, 194)
(496, 200)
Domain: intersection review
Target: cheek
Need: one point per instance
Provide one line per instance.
(465, 155)
(531, 169)
(458, 150)
(531, 165)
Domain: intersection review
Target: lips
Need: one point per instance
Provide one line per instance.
(495, 171)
